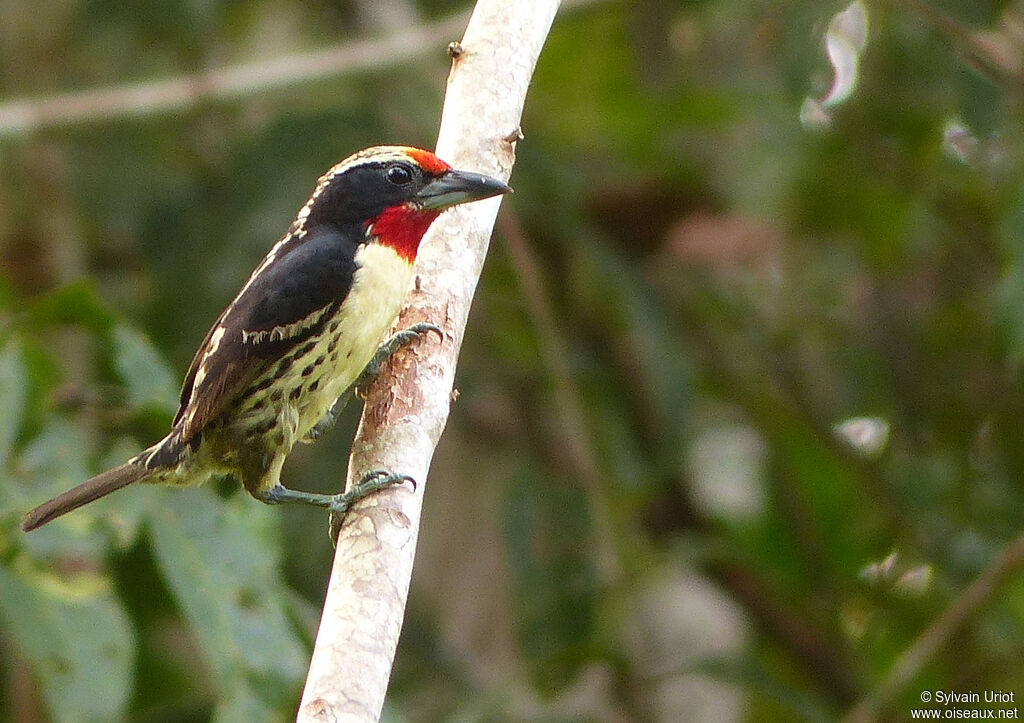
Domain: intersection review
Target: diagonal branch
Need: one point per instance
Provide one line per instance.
(407, 407)
(176, 94)
(970, 603)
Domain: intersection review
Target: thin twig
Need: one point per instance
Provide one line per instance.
(408, 405)
(172, 95)
(920, 653)
(233, 82)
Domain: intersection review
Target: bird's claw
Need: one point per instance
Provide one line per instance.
(371, 482)
(386, 350)
(417, 330)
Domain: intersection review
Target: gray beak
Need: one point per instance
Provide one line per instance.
(455, 187)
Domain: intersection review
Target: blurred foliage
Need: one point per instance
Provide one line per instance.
(740, 398)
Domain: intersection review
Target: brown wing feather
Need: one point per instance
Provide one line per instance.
(215, 393)
(231, 359)
(190, 377)
(218, 374)
(289, 298)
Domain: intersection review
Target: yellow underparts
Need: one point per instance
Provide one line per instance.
(261, 433)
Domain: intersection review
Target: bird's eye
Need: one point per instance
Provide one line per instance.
(399, 174)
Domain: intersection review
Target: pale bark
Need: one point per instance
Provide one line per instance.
(408, 406)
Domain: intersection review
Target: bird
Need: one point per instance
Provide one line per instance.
(303, 333)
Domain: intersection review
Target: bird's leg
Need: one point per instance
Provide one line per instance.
(386, 350)
(338, 504)
(371, 482)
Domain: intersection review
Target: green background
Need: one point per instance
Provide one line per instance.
(645, 506)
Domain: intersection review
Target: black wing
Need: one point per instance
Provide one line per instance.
(290, 297)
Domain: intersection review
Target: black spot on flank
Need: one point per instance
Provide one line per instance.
(309, 369)
(314, 386)
(256, 388)
(259, 404)
(334, 326)
(348, 355)
(334, 357)
(295, 393)
(306, 349)
(275, 396)
(333, 345)
(285, 365)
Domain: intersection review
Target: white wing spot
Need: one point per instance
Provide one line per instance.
(215, 339)
(286, 331)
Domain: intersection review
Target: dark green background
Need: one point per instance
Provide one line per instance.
(641, 509)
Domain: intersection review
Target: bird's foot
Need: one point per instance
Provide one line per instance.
(371, 482)
(386, 350)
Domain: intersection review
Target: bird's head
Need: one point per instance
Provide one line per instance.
(393, 193)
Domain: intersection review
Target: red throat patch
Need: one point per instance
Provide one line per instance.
(401, 228)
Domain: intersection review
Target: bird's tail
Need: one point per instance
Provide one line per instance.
(92, 489)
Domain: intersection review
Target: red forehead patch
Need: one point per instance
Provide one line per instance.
(428, 161)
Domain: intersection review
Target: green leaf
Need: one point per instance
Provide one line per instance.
(51, 462)
(12, 397)
(77, 639)
(57, 459)
(221, 563)
(151, 383)
(76, 303)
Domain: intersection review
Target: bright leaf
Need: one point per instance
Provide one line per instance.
(77, 639)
